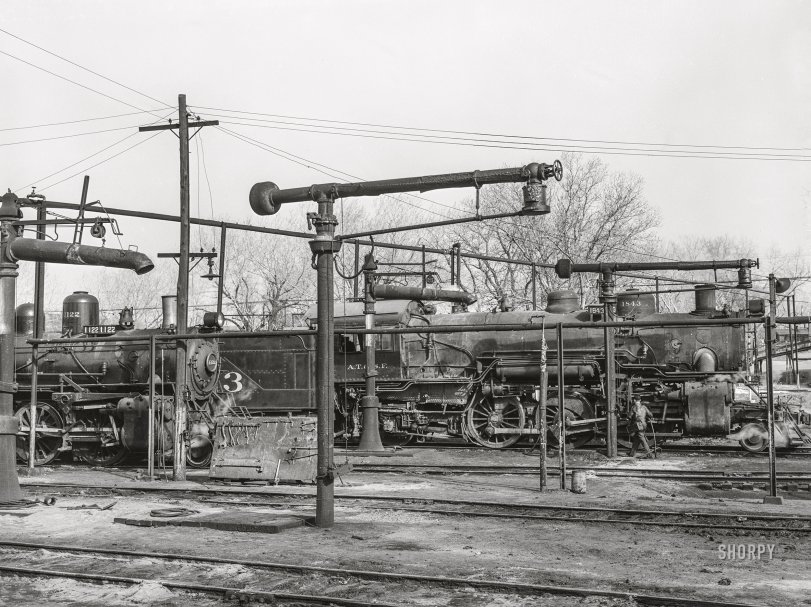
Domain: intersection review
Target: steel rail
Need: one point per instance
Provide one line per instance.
(681, 475)
(520, 587)
(226, 591)
(263, 492)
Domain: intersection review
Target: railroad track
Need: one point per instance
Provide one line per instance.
(676, 519)
(647, 473)
(74, 562)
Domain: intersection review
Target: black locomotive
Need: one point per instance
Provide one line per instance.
(93, 398)
(483, 386)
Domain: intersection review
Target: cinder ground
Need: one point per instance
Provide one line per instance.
(618, 557)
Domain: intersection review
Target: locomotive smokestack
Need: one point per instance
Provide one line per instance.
(705, 300)
(169, 311)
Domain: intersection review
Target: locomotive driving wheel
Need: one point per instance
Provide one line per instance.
(576, 408)
(99, 454)
(486, 415)
(48, 439)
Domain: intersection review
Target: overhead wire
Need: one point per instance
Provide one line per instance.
(410, 195)
(49, 124)
(486, 134)
(77, 83)
(497, 143)
(122, 128)
(92, 166)
(483, 143)
(70, 166)
(86, 69)
(331, 172)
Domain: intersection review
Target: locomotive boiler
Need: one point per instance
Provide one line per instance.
(93, 397)
(483, 385)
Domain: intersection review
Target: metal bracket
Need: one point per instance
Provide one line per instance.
(8, 387)
(9, 425)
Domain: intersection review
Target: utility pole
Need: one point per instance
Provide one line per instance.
(181, 406)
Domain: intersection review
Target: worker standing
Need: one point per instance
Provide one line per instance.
(638, 420)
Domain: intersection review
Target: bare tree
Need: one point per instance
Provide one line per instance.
(596, 215)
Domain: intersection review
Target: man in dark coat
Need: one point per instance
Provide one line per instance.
(638, 419)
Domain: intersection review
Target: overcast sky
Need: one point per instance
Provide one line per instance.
(697, 73)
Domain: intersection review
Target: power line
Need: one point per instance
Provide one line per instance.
(25, 187)
(205, 172)
(76, 83)
(330, 172)
(116, 155)
(484, 143)
(44, 50)
(102, 150)
(342, 173)
(122, 128)
(38, 126)
(592, 142)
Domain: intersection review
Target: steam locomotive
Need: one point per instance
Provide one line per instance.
(93, 397)
(483, 386)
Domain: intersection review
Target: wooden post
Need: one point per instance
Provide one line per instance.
(561, 410)
(179, 460)
(544, 386)
(150, 461)
(220, 284)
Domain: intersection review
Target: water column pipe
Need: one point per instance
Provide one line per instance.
(13, 249)
(266, 198)
(369, 402)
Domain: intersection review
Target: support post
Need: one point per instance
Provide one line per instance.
(534, 287)
(424, 270)
(220, 281)
(770, 411)
(561, 409)
(10, 492)
(657, 294)
(324, 247)
(611, 387)
(32, 415)
(355, 283)
(179, 451)
(370, 404)
(39, 278)
(150, 457)
(542, 395)
(796, 346)
(768, 342)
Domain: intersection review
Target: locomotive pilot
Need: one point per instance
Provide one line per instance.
(638, 419)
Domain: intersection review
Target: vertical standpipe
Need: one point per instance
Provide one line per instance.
(266, 198)
(13, 249)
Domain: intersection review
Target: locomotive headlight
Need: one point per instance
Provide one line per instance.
(212, 362)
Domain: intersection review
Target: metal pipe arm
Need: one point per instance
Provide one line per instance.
(427, 294)
(266, 197)
(564, 268)
(28, 249)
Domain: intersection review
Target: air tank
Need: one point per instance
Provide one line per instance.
(705, 300)
(24, 319)
(562, 302)
(631, 304)
(169, 304)
(78, 310)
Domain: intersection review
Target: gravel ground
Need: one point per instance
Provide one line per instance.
(612, 557)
